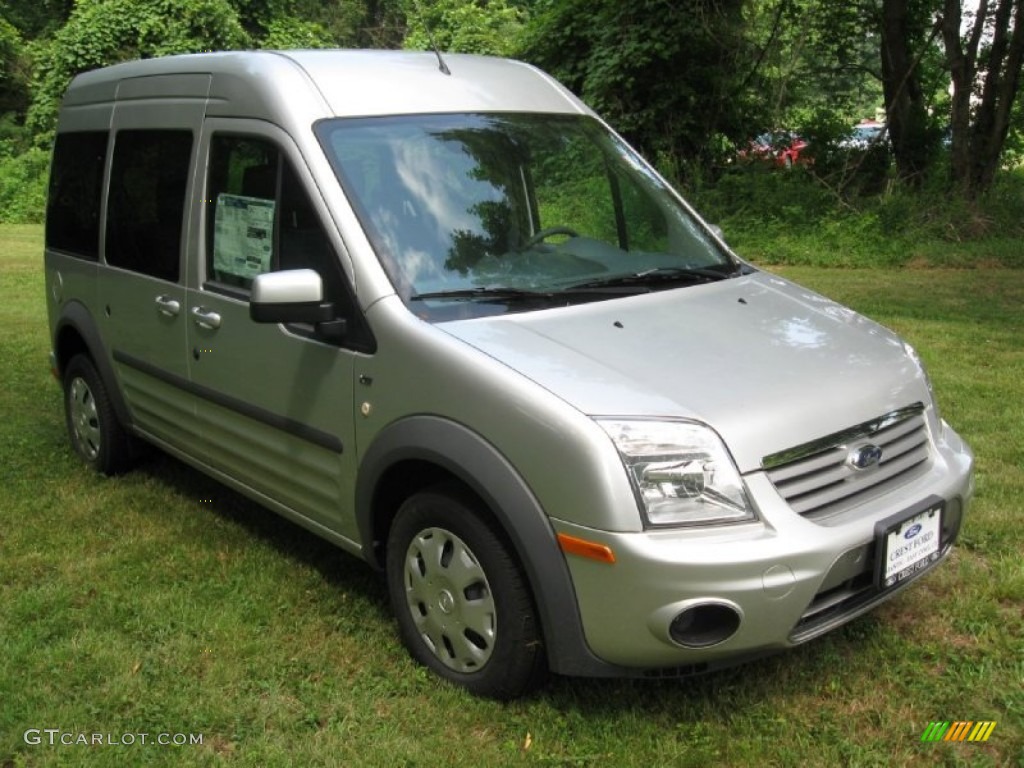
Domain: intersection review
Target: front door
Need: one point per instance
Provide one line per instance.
(274, 401)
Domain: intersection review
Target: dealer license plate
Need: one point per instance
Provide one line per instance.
(908, 545)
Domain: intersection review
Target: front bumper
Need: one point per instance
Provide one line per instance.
(785, 578)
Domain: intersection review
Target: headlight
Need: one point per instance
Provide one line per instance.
(681, 472)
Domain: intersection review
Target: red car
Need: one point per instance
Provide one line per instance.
(784, 148)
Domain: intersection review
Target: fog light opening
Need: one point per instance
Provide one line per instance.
(704, 625)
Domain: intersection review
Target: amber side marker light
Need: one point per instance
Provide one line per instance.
(588, 549)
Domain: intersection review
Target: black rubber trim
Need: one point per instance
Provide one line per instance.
(469, 457)
(92, 259)
(291, 426)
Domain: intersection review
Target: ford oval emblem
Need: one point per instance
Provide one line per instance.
(912, 531)
(865, 456)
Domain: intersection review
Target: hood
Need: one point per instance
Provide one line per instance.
(767, 364)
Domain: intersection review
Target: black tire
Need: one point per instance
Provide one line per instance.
(463, 606)
(96, 434)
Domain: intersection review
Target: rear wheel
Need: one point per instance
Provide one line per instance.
(96, 434)
(463, 607)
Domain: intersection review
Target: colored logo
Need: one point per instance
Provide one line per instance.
(912, 531)
(960, 730)
(866, 456)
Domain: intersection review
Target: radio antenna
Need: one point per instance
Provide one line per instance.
(430, 37)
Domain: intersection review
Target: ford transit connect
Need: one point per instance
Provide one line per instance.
(451, 322)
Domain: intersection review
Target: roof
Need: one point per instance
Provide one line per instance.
(349, 83)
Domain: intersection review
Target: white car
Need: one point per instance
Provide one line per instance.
(866, 134)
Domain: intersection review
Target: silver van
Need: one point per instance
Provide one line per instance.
(445, 318)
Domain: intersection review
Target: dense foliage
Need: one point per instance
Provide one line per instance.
(466, 26)
(102, 32)
(677, 93)
(691, 82)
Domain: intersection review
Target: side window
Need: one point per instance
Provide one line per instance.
(242, 190)
(262, 219)
(76, 188)
(146, 202)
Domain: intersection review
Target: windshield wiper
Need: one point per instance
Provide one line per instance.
(494, 293)
(659, 275)
(628, 283)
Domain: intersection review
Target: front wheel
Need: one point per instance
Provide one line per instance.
(463, 607)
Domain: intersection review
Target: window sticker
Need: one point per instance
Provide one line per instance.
(243, 238)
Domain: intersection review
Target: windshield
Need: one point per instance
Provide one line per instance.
(506, 212)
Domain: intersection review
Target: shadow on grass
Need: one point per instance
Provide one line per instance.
(338, 568)
(811, 671)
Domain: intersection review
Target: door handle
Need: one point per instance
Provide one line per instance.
(205, 319)
(167, 306)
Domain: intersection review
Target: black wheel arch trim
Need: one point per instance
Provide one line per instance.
(75, 317)
(476, 462)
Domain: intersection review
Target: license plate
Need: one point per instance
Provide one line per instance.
(907, 543)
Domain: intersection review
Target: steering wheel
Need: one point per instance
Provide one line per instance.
(544, 234)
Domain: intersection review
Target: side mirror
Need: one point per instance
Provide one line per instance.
(291, 296)
(294, 296)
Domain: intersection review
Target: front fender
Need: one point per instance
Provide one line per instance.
(472, 459)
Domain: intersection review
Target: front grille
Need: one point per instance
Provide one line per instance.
(819, 481)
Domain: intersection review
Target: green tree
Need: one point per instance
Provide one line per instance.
(302, 23)
(816, 71)
(35, 18)
(907, 33)
(465, 26)
(288, 32)
(985, 61)
(383, 24)
(103, 32)
(13, 91)
(813, 59)
(670, 76)
(820, 64)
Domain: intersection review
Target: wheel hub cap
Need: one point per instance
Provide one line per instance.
(84, 419)
(450, 600)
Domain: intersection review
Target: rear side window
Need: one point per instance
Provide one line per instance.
(145, 209)
(76, 187)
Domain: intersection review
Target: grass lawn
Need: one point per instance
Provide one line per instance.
(159, 602)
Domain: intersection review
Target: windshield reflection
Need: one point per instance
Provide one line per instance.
(517, 202)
